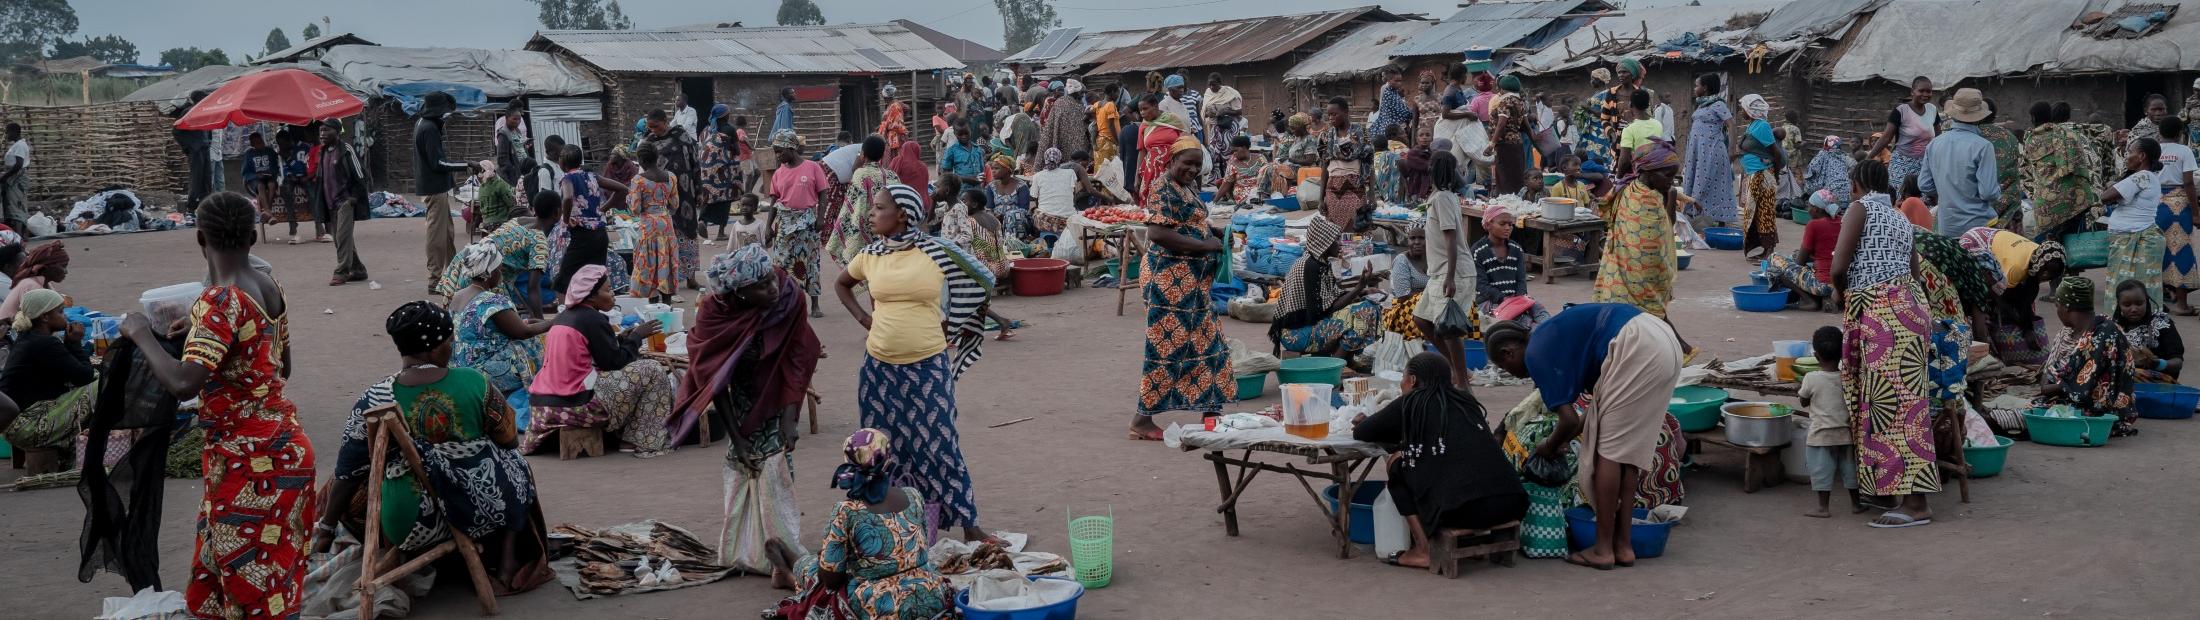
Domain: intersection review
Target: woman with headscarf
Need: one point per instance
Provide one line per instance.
(1009, 198)
(893, 125)
(796, 189)
(1606, 114)
(465, 434)
(657, 251)
(1510, 123)
(1156, 137)
(871, 563)
(1709, 171)
(48, 374)
(492, 336)
(523, 261)
(754, 353)
(1187, 363)
(2020, 268)
(1910, 128)
(718, 173)
(1343, 149)
(1065, 125)
(621, 168)
(494, 201)
(1889, 349)
(1053, 193)
(1317, 314)
(1245, 174)
(1761, 163)
(43, 267)
(908, 166)
(258, 497)
(1639, 254)
(918, 286)
(851, 232)
(2157, 350)
(1449, 471)
(631, 396)
(1628, 360)
(2090, 366)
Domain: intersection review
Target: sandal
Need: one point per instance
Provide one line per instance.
(1902, 520)
(1138, 436)
(337, 280)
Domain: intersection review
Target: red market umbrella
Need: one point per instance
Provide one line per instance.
(287, 96)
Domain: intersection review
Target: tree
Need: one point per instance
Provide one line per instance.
(310, 32)
(276, 42)
(107, 48)
(1024, 21)
(582, 15)
(26, 26)
(800, 13)
(188, 58)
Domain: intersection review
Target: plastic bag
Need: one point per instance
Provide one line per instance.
(40, 225)
(1310, 191)
(1392, 352)
(1452, 322)
(1245, 360)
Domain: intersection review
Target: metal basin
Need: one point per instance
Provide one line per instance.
(1757, 425)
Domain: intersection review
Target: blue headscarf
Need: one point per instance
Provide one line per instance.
(1172, 81)
(716, 111)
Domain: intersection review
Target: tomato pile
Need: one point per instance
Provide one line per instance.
(1116, 215)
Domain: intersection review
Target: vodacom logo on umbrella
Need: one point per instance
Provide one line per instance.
(322, 100)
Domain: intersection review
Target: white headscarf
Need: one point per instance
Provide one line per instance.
(1756, 106)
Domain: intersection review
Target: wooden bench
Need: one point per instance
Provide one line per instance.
(1761, 467)
(1452, 548)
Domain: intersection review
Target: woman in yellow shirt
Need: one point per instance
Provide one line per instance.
(907, 387)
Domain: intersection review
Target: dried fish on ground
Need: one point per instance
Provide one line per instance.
(603, 561)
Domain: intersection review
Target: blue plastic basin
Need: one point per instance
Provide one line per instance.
(1759, 298)
(1648, 539)
(2160, 401)
(1723, 238)
(1363, 508)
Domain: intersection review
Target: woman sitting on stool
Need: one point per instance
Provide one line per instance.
(1446, 469)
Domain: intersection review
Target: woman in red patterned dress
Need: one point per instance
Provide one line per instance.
(253, 527)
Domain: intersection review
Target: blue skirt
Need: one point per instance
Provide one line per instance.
(915, 405)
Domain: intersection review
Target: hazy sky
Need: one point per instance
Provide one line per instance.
(240, 27)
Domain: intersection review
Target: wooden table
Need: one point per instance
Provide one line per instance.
(1345, 468)
(1761, 467)
(1591, 230)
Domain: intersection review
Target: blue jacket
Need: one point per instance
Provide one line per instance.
(1959, 166)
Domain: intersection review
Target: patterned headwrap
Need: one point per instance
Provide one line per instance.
(1051, 159)
(870, 454)
(1172, 120)
(479, 259)
(42, 260)
(1072, 87)
(1494, 211)
(1601, 75)
(1321, 237)
(9, 237)
(786, 139)
(621, 151)
(1632, 67)
(889, 91)
(418, 326)
(1186, 143)
(1824, 199)
(1004, 162)
(1657, 155)
(718, 110)
(1833, 143)
(1510, 83)
(967, 280)
(734, 270)
(2076, 293)
(1299, 121)
(2049, 251)
(1172, 81)
(584, 283)
(36, 303)
(1756, 106)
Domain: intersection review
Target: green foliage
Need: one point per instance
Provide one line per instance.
(106, 48)
(26, 26)
(310, 32)
(1023, 22)
(188, 58)
(276, 42)
(800, 13)
(582, 15)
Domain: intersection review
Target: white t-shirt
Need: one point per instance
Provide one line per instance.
(20, 150)
(2177, 159)
(685, 118)
(1055, 191)
(1829, 414)
(1443, 215)
(2142, 192)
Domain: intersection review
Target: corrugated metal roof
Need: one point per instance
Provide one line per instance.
(1907, 38)
(498, 74)
(1663, 23)
(1493, 25)
(1056, 42)
(1366, 49)
(1228, 42)
(328, 40)
(781, 50)
(1811, 18)
(968, 51)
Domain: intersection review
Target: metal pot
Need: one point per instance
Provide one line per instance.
(1757, 425)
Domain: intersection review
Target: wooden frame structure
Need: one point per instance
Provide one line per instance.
(384, 427)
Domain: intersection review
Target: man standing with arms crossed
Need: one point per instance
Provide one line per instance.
(432, 180)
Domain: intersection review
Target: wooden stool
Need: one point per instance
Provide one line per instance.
(1454, 547)
(384, 429)
(35, 461)
(575, 442)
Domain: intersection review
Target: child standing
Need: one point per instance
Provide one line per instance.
(748, 228)
(259, 175)
(1829, 449)
(971, 226)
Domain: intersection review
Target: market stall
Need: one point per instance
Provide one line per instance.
(1337, 460)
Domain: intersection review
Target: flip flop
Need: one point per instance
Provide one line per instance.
(1576, 560)
(1138, 436)
(1905, 521)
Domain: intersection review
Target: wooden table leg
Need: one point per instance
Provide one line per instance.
(1343, 514)
(1229, 500)
(1550, 256)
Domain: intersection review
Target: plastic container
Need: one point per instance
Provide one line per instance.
(166, 304)
(1092, 548)
(1558, 209)
(1327, 370)
(1552, 179)
(1252, 386)
(1065, 610)
(2160, 401)
(1475, 356)
(1806, 365)
(6, 451)
(1757, 298)
(2082, 431)
(1110, 265)
(1802, 216)
(1680, 260)
(1648, 539)
(1037, 277)
(1285, 204)
(1390, 527)
(1985, 461)
(1362, 527)
(1307, 408)
(1723, 238)
(1696, 407)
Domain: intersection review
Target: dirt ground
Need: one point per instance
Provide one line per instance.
(2063, 532)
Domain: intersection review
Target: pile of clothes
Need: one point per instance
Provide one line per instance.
(389, 205)
(110, 210)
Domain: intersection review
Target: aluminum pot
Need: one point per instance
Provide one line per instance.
(1757, 424)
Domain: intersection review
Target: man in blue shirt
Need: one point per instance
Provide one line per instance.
(1390, 108)
(1959, 169)
(963, 159)
(783, 118)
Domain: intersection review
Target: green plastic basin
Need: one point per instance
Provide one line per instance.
(2083, 431)
(1696, 407)
(1987, 461)
(1328, 370)
(1251, 386)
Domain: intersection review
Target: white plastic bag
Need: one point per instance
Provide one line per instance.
(1393, 351)
(147, 604)
(1310, 191)
(41, 225)
(1474, 140)
(1245, 360)
(1685, 234)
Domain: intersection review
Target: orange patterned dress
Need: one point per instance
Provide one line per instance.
(257, 516)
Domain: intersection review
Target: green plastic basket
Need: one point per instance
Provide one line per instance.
(1801, 215)
(1251, 386)
(1131, 273)
(6, 451)
(1092, 549)
(1312, 369)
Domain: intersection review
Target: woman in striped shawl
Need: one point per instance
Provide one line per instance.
(907, 386)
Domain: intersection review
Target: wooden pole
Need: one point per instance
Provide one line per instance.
(86, 85)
